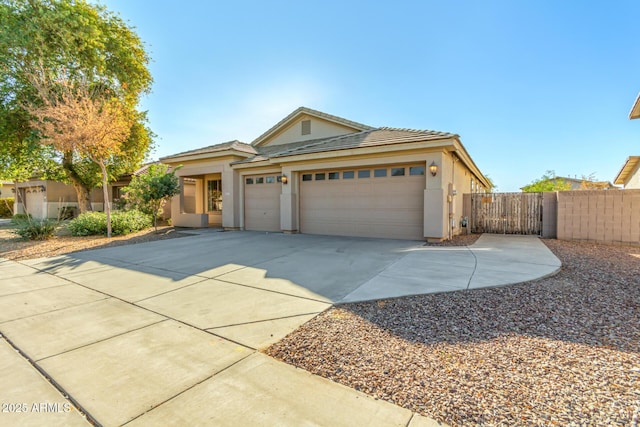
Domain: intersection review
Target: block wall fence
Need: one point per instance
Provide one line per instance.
(611, 217)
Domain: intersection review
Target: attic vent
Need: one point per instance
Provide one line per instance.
(306, 127)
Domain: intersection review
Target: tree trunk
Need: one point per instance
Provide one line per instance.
(82, 191)
(105, 192)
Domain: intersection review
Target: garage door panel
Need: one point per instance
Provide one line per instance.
(389, 207)
(262, 205)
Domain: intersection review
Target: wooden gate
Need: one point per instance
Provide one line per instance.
(506, 213)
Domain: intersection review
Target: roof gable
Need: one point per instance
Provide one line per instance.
(317, 125)
(628, 169)
(635, 110)
(226, 148)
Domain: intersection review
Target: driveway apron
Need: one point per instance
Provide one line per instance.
(169, 332)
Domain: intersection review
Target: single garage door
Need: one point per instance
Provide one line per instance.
(371, 202)
(262, 202)
(35, 202)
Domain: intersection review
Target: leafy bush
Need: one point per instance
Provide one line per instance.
(148, 192)
(17, 218)
(125, 222)
(122, 222)
(35, 229)
(88, 224)
(6, 207)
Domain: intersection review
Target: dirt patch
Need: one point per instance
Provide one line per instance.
(14, 248)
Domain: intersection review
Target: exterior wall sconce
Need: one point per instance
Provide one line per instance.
(284, 179)
(42, 188)
(433, 168)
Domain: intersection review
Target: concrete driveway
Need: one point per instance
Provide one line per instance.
(166, 333)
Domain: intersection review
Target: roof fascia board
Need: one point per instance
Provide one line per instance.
(462, 153)
(249, 165)
(635, 110)
(205, 156)
(628, 167)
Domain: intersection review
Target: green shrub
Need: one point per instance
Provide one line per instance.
(17, 218)
(122, 222)
(125, 222)
(6, 207)
(88, 224)
(35, 229)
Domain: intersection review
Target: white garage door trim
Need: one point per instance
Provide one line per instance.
(262, 202)
(379, 201)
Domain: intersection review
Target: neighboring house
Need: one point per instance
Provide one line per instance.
(317, 173)
(576, 184)
(635, 110)
(7, 189)
(47, 198)
(629, 175)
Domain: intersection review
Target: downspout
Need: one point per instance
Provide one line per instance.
(454, 159)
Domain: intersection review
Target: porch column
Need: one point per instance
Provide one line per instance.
(230, 199)
(200, 196)
(436, 206)
(177, 201)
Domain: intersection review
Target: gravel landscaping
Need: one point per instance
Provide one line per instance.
(563, 350)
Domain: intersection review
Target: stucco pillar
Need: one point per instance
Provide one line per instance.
(230, 200)
(200, 195)
(177, 201)
(436, 207)
(289, 203)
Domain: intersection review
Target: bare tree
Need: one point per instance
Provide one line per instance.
(88, 122)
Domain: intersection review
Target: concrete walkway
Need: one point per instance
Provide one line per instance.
(168, 333)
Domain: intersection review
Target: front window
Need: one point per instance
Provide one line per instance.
(214, 195)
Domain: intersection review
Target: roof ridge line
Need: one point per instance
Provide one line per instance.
(416, 130)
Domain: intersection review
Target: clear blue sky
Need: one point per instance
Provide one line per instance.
(529, 86)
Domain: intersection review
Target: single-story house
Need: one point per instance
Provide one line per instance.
(317, 173)
(629, 175)
(47, 198)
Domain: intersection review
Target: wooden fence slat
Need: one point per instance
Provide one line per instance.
(506, 213)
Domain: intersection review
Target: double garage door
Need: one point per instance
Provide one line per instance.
(369, 202)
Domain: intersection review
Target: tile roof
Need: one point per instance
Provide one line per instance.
(231, 145)
(369, 138)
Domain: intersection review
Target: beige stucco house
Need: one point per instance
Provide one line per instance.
(48, 199)
(7, 189)
(317, 173)
(629, 175)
